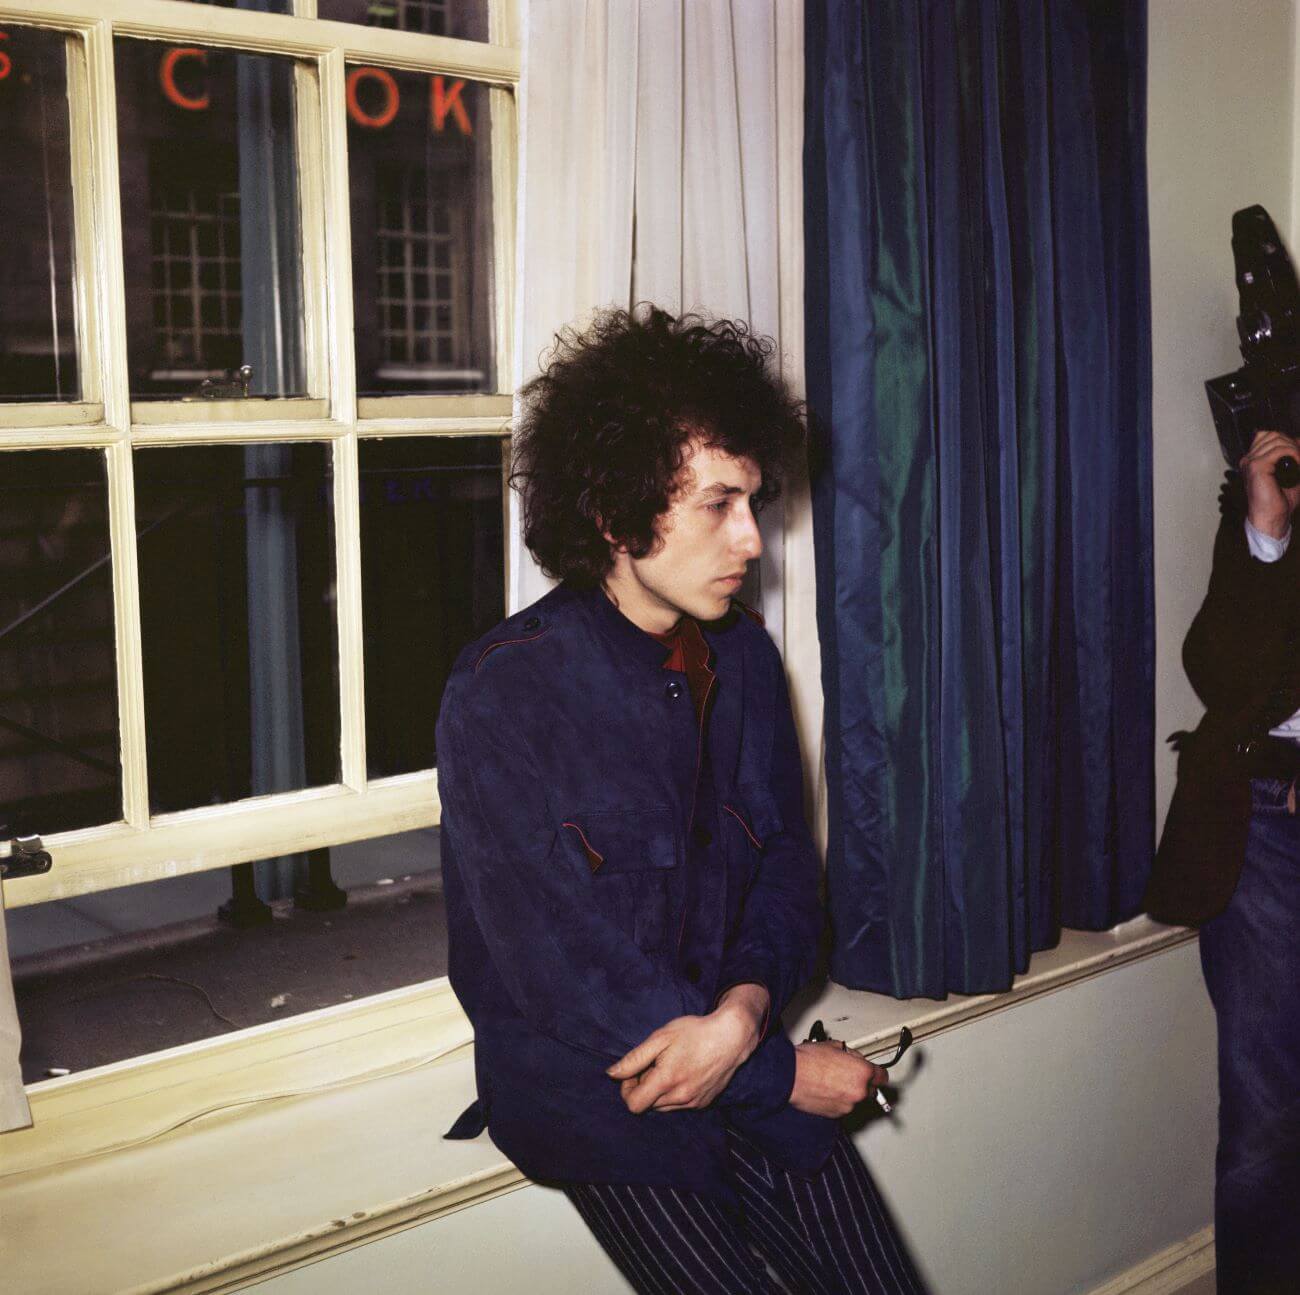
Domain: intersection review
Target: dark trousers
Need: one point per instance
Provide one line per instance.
(824, 1235)
(1250, 954)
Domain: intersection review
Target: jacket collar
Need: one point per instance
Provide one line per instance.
(629, 641)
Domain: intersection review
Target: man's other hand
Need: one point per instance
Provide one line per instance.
(685, 1064)
(1268, 506)
(830, 1081)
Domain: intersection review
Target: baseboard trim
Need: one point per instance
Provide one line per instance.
(1167, 1272)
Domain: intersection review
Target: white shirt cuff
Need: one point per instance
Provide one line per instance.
(1265, 547)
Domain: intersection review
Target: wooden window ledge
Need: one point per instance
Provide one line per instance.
(265, 1180)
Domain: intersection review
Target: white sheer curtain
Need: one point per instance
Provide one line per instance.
(649, 172)
(14, 1111)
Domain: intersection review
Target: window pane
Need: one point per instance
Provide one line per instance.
(38, 344)
(464, 19)
(432, 579)
(213, 237)
(121, 973)
(59, 762)
(420, 170)
(237, 611)
(265, 6)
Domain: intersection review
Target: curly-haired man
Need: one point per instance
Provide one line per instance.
(631, 887)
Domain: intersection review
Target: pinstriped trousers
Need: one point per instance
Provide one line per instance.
(823, 1235)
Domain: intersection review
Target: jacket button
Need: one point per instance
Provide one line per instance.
(531, 623)
(701, 834)
(673, 689)
(692, 972)
(1247, 748)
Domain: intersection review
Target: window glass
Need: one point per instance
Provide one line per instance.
(213, 240)
(265, 6)
(432, 579)
(162, 967)
(236, 559)
(464, 19)
(59, 761)
(38, 351)
(420, 174)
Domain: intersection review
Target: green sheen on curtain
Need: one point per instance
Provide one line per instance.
(978, 339)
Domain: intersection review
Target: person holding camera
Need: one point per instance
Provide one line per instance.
(1229, 862)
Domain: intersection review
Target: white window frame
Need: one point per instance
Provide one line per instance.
(142, 846)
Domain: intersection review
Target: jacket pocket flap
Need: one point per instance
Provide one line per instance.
(625, 840)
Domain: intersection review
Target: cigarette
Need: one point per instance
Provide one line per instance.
(883, 1102)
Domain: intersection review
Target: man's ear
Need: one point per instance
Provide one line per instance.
(615, 546)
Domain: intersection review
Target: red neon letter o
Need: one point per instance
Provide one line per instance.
(6, 63)
(167, 79)
(391, 93)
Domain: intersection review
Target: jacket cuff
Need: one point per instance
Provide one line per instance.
(751, 968)
(764, 1083)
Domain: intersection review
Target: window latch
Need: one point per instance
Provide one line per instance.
(232, 385)
(26, 858)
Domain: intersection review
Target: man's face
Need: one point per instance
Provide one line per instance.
(706, 537)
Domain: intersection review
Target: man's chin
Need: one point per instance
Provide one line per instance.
(712, 607)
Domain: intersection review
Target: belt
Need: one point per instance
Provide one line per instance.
(1270, 757)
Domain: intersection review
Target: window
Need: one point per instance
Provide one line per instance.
(39, 355)
(194, 250)
(252, 430)
(421, 282)
(464, 19)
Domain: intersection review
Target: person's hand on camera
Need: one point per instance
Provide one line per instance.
(831, 1081)
(1268, 506)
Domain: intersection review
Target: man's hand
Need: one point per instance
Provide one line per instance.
(1268, 506)
(828, 1080)
(685, 1064)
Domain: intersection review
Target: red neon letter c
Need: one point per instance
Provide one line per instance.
(391, 95)
(167, 79)
(6, 63)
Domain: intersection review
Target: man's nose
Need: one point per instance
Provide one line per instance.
(750, 541)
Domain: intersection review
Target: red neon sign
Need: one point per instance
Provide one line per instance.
(444, 100)
(167, 79)
(6, 63)
(392, 97)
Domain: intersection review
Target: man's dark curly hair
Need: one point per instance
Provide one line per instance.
(606, 427)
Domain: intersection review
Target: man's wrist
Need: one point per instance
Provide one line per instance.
(1267, 542)
(747, 1003)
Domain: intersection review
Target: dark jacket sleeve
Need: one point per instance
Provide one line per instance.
(568, 971)
(1237, 644)
(776, 940)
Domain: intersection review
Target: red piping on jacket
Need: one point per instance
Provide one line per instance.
(758, 845)
(594, 856)
(491, 647)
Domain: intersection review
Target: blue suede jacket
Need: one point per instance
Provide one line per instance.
(607, 870)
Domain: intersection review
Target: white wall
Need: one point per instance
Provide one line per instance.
(1038, 1151)
(1221, 108)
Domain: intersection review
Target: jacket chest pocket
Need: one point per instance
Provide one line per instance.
(750, 818)
(632, 856)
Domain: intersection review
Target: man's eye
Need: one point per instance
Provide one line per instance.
(720, 507)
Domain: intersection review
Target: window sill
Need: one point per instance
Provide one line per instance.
(239, 1205)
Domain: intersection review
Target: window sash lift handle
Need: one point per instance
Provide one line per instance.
(27, 857)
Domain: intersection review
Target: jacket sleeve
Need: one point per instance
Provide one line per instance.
(776, 940)
(567, 969)
(1239, 637)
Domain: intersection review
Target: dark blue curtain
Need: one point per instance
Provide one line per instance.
(978, 339)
